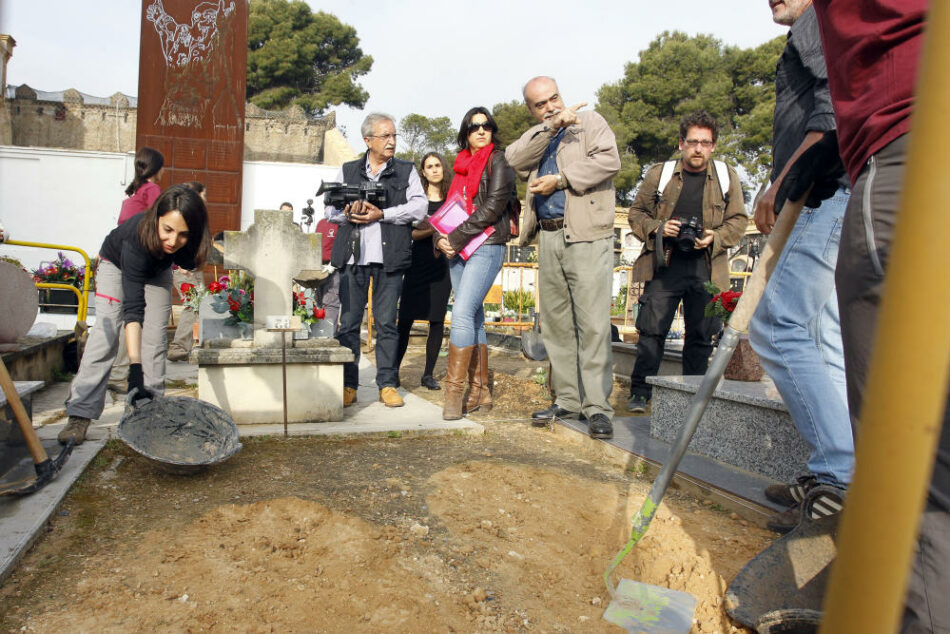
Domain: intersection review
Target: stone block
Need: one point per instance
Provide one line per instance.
(745, 425)
(247, 382)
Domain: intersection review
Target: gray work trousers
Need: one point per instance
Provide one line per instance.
(87, 393)
(862, 259)
(575, 282)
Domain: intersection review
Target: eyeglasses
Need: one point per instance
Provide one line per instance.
(384, 136)
(485, 125)
(694, 142)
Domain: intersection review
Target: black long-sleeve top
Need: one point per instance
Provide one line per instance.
(123, 248)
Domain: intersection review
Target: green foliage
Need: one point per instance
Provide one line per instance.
(619, 305)
(678, 74)
(296, 56)
(518, 300)
(419, 135)
(513, 119)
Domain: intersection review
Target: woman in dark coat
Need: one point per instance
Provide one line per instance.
(426, 287)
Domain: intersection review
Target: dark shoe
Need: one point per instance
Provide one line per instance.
(600, 427)
(821, 501)
(542, 417)
(455, 380)
(429, 382)
(791, 494)
(75, 430)
(177, 354)
(637, 404)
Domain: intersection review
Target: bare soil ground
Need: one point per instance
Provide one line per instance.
(508, 532)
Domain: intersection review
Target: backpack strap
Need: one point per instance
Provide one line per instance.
(665, 175)
(722, 172)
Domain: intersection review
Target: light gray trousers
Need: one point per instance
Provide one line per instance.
(87, 393)
(575, 281)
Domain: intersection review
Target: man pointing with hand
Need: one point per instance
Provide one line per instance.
(570, 159)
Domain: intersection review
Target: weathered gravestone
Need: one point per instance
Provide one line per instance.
(18, 303)
(245, 377)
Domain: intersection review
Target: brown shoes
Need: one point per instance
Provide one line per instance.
(74, 430)
(479, 395)
(390, 397)
(349, 396)
(459, 361)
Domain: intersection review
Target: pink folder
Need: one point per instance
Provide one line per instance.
(450, 215)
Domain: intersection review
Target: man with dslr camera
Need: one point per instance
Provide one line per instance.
(375, 243)
(687, 212)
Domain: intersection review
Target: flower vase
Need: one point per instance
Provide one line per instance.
(321, 328)
(246, 329)
(744, 364)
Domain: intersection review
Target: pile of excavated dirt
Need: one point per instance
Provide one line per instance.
(508, 532)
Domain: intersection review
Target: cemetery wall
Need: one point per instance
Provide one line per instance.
(74, 120)
(73, 196)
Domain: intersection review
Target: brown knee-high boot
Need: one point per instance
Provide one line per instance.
(479, 396)
(459, 360)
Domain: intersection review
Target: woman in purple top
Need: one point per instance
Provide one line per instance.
(144, 188)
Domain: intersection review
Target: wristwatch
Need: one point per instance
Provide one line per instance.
(560, 182)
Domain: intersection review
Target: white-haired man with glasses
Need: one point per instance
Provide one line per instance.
(687, 212)
(375, 243)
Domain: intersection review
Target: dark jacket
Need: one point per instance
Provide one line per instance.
(123, 248)
(397, 239)
(496, 192)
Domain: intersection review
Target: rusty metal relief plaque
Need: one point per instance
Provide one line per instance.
(192, 73)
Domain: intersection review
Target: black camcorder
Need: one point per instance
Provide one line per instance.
(339, 195)
(691, 230)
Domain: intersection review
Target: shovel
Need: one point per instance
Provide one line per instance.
(531, 343)
(627, 607)
(46, 469)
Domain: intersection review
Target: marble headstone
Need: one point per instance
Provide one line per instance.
(18, 302)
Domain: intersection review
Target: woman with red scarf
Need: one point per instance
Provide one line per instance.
(486, 184)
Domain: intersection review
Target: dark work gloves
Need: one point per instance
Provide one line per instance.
(137, 390)
(821, 166)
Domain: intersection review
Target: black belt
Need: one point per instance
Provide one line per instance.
(551, 224)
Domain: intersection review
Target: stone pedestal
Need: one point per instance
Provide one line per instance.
(745, 425)
(246, 381)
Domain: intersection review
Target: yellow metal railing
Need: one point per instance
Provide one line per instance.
(83, 295)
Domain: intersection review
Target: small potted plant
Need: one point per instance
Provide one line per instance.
(310, 314)
(235, 294)
(744, 364)
(62, 270)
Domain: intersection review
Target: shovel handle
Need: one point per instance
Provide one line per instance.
(29, 434)
(755, 285)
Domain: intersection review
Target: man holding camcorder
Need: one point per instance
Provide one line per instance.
(687, 213)
(379, 198)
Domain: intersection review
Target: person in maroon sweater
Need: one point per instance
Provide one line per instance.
(876, 47)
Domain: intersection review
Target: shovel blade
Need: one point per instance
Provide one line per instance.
(533, 347)
(641, 607)
(46, 471)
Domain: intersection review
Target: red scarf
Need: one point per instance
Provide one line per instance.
(468, 173)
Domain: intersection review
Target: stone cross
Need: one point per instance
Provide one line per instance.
(274, 251)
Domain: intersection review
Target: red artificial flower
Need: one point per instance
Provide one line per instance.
(234, 305)
(319, 313)
(215, 287)
(186, 288)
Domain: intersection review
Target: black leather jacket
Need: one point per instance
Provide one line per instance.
(496, 190)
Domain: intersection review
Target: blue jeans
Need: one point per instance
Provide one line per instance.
(797, 335)
(471, 281)
(354, 288)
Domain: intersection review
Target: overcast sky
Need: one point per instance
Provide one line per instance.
(431, 58)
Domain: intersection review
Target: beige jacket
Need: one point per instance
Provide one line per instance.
(588, 160)
(728, 221)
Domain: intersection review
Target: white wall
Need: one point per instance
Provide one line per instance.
(268, 184)
(73, 197)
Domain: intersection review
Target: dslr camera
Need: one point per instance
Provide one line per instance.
(339, 195)
(691, 229)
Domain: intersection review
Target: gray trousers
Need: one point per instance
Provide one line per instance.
(184, 341)
(862, 259)
(87, 393)
(575, 281)
(328, 298)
